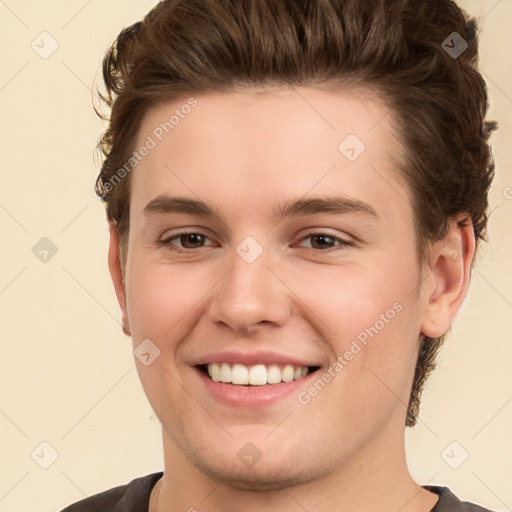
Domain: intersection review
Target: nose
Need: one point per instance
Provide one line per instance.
(250, 296)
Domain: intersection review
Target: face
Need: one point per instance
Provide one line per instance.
(283, 303)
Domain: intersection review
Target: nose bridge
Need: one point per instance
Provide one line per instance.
(249, 293)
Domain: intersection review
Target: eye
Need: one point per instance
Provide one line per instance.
(325, 241)
(189, 240)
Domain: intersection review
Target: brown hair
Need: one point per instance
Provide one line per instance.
(392, 46)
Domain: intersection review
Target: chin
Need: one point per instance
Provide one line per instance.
(263, 476)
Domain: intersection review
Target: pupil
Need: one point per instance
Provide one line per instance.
(193, 236)
(322, 237)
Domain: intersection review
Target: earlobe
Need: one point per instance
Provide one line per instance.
(450, 269)
(114, 266)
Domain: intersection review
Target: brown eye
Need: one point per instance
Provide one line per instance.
(326, 241)
(188, 241)
(322, 241)
(191, 240)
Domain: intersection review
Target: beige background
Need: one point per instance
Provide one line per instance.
(67, 374)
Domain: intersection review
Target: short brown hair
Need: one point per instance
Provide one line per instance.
(395, 47)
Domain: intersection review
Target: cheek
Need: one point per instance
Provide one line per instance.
(348, 299)
(161, 301)
(159, 298)
(375, 333)
(371, 317)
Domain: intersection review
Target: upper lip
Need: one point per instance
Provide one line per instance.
(252, 358)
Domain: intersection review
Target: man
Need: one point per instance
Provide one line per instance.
(295, 192)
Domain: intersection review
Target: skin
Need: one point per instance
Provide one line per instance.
(245, 152)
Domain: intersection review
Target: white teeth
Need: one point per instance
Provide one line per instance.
(256, 375)
(214, 371)
(239, 374)
(225, 372)
(288, 373)
(273, 374)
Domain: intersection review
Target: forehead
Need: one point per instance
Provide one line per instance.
(260, 144)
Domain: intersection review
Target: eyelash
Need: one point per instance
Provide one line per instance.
(167, 241)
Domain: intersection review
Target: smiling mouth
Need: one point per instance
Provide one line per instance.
(255, 375)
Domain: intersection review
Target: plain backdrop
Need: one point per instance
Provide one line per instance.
(70, 398)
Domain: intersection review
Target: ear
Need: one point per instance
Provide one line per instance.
(114, 266)
(450, 272)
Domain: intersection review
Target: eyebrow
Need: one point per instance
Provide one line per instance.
(337, 204)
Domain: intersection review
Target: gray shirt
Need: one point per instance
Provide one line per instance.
(134, 497)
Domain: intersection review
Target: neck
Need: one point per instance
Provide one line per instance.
(377, 479)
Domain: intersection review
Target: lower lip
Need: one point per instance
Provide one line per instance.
(252, 396)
